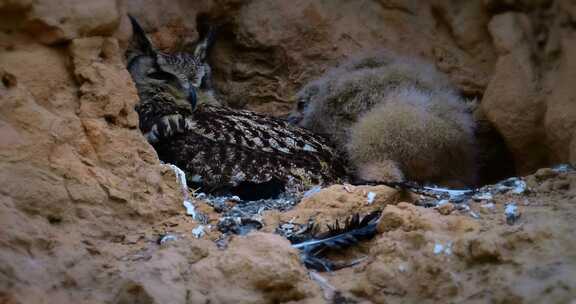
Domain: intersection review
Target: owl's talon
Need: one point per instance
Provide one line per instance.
(167, 126)
(152, 136)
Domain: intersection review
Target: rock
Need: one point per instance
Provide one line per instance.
(53, 23)
(132, 292)
(560, 118)
(257, 268)
(446, 209)
(157, 274)
(407, 217)
(478, 251)
(511, 101)
(390, 220)
(336, 202)
(71, 153)
(545, 173)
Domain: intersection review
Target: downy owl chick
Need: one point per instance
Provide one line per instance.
(396, 118)
(222, 150)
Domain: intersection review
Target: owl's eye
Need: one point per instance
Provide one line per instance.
(160, 75)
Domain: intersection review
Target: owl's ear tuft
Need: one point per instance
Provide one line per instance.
(140, 44)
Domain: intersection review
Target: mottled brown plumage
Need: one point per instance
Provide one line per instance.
(222, 149)
(225, 148)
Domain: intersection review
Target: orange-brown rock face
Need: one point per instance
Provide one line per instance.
(528, 98)
(76, 173)
(83, 197)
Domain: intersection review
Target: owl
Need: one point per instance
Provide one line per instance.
(222, 150)
(396, 118)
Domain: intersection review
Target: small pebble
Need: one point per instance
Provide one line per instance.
(512, 213)
(486, 196)
(446, 208)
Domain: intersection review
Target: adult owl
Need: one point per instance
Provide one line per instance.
(222, 150)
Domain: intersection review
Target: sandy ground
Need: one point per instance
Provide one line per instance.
(487, 252)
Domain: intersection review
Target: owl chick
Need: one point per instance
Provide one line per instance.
(396, 118)
(222, 150)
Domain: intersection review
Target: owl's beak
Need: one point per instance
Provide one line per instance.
(192, 97)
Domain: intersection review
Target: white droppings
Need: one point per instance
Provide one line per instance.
(438, 248)
(519, 187)
(190, 209)
(513, 185)
(181, 179)
(402, 267)
(370, 197)
(446, 249)
(511, 209)
(452, 193)
(312, 191)
(168, 238)
(198, 232)
(511, 213)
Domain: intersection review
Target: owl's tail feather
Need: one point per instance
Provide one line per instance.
(337, 237)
